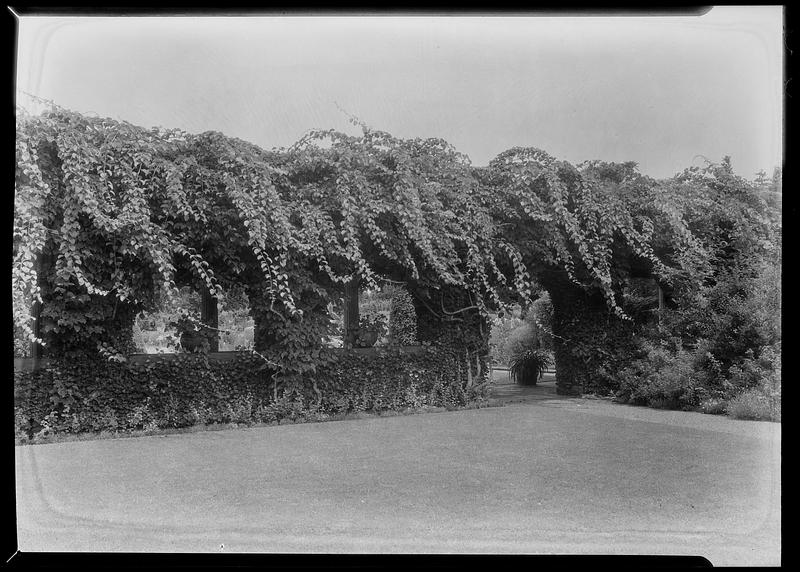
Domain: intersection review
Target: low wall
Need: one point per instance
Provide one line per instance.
(180, 390)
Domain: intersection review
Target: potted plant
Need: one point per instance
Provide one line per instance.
(528, 365)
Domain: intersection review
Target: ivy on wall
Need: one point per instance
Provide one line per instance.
(90, 395)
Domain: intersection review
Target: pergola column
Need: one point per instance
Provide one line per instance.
(36, 349)
(351, 314)
(209, 315)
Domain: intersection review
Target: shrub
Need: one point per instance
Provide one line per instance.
(240, 409)
(501, 330)
(760, 403)
(106, 421)
(762, 399)
(708, 370)
(372, 302)
(737, 316)
(668, 376)
(520, 340)
(662, 378)
(750, 372)
(714, 406)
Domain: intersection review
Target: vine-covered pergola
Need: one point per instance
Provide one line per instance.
(108, 216)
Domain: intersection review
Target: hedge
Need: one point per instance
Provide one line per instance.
(91, 395)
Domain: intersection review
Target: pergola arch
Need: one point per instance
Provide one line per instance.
(294, 226)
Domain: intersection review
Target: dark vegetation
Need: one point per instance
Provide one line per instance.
(660, 292)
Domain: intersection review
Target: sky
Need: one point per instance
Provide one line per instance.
(665, 92)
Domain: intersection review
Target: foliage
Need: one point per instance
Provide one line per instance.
(192, 333)
(641, 299)
(389, 379)
(520, 340)
(751, 371)
(531, 333)
(90, 395)
(527, 366)
(402, 318)
(583, 231)
(109, 217)
(738, 315)
(375, 301)
(154, 332)
(714, 406)
(80, 205)
(662, 379)
(236, 330)
(723, 300)
(587, 220)
(461, 336)
(762, 403)
(541, 316)
(186, 322)
(151, 334)
(371, 327)
(373, 322)
(76, 395)
(501, 330)
(118, 215)
(21, 343)
(729, 318)
(670, 376)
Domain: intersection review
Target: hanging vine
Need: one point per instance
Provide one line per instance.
(120, 214)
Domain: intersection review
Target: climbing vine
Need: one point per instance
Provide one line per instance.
(580, 218)
(115, 215)
(110, 216)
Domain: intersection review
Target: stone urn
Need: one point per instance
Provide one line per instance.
(194, 341)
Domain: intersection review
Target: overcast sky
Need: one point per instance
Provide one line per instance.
(655, 90)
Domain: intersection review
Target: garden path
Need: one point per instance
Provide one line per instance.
(506, 391)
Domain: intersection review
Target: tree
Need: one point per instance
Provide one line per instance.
(735, 306)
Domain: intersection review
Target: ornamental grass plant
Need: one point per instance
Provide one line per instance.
(528, 366)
